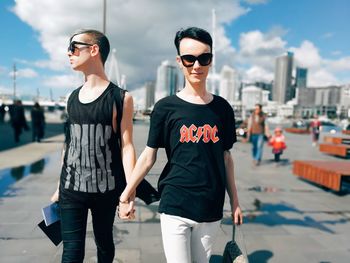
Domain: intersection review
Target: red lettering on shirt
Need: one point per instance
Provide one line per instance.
(195, 134)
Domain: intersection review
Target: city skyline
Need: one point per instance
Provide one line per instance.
(250, 35)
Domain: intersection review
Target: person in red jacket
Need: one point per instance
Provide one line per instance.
(315, 129)
(278, 143)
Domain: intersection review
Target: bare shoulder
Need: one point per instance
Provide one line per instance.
(128, 100)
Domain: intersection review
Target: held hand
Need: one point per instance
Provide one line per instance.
(54, 197)
(126, 210)
(237, 216)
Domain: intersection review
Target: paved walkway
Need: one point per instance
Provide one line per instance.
(286, 219)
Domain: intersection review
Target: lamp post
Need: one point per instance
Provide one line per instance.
(104, 16)
(14, 80)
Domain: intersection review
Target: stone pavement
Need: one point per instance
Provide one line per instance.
(286, 219)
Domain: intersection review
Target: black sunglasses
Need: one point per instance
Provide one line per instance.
(72, 47)
(203, 59)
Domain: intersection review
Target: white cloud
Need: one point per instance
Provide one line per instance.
(307, 55)
(141, 31)
(257, 73)
(321, 78)
(256, 2)
(342, 64)
(25, 73)
(259, 49)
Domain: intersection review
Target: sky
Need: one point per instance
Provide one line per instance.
(250, 34)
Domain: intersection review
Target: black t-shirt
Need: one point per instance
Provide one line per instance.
(194, 136)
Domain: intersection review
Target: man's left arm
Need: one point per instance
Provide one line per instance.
(237, 215)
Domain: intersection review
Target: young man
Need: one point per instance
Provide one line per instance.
(93, 159)
(257, 129)
(197, 130)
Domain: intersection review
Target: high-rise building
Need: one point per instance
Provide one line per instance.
(301, 78)
(283, 89)
(265, 86)
(150, 94)
(167, 79)
(229, 84)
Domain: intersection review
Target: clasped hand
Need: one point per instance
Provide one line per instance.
(126, 210)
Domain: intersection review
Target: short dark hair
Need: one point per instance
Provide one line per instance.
(259, 105)
(98, 38)
(194, 33)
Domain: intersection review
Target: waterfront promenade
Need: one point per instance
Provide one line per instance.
(286, 219)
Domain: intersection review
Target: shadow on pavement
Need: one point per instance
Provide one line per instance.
(259, 256)
(272, 215)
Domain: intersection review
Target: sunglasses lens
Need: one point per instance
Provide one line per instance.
(71, 47)
(188, 60)
(205, 59)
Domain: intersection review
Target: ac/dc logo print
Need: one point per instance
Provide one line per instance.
(195, 134)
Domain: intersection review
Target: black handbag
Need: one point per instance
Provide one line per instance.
(232, 252)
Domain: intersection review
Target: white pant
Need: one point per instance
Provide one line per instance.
(187, 241)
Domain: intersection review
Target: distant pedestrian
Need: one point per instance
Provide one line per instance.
(278, 143)
(18, 120)
(2, 113)
(315, 129)
(38, 122)
(257, 132)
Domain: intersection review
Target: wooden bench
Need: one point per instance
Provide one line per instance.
(346, 132)
(297, 130)
(336, 145)
(329, 174)
(342, 150)
(337, 139)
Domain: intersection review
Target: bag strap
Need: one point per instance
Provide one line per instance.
(241, 239)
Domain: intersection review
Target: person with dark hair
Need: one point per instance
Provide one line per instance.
(2, 113)
(197, 130)
(18, 119)
(257, 132)
(98, 150)
(315, 126)
(38, 122)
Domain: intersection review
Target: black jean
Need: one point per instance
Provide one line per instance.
(277, 157)
(74, 212)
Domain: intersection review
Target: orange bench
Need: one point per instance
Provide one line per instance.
(337, 140)
(329, 174)
(297, 130)
(342, 150)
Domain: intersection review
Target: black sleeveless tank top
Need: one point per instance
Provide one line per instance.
(92, 161)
